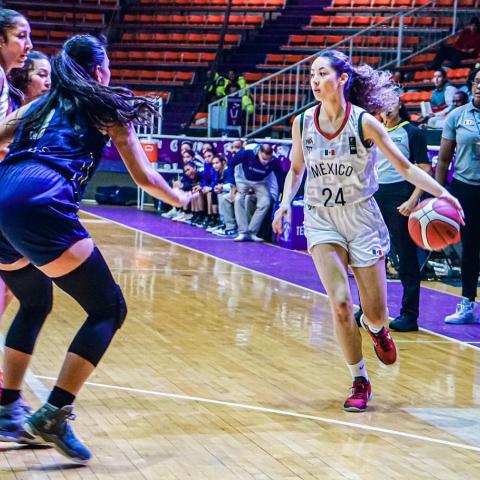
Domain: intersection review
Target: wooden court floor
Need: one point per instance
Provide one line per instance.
(221, 373)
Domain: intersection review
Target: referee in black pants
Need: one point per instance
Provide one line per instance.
(396, 199)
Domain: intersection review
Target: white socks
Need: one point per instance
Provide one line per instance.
(374, 330)
(358, 369)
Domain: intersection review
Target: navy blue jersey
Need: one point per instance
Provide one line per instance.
(67, 143)
(207, 175)
(254, 170)
(223, 177)
(188, 183)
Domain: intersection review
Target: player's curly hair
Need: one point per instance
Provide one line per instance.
(373, 90)
(75, 90)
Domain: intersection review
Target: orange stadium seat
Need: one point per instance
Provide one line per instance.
(207, 56)
(232, 38)
(172, 57)
(316, 40)
(297, 40)
(458, 74)
(149, 75)
(160, 37)
(194, 38)
(381, 3)
(423, 58)
(362, 3)
(252, 77)
(341, 21)
(178, 37)
(253, 20)
(320, 20)
(275, 58)
(190, 57)
(332, 39)
(196, 19)
(212, 38)
(155, 56)
(184, 76)
(361, 21)
(214, 19)
(165, 76)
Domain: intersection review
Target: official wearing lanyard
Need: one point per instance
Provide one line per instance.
(461, 135)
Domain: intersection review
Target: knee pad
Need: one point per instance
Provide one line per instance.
(95, 335)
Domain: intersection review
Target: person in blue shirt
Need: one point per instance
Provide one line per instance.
(191, 181)
(256, 166)
(55, 145)
(461, 136)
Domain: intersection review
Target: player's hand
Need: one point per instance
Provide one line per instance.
(454, 201)
(184, 198)
(406, 207)
(277, 224)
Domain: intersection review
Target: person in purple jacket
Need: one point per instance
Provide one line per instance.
(256, 165)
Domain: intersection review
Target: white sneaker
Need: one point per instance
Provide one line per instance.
(170, 214)
(241, 237)
(186, 218)
(465, 313)
(214, 228)
(179, 216)
(256, 238)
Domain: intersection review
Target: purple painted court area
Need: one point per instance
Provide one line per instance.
(292, 266)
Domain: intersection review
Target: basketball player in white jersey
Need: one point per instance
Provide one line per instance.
(335, 142)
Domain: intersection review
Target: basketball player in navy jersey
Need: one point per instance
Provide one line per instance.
(56, 145)
(334, 141)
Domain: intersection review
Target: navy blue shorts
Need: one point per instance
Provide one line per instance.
(38, 214)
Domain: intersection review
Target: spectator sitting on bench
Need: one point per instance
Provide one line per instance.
(441, 101)
(191, 182)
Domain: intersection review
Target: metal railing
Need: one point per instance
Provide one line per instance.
(154, 127)
(385, 44)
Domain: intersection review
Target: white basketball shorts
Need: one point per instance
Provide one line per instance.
(359, 228)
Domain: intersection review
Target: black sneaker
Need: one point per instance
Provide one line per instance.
(50, 424)
(404, 324)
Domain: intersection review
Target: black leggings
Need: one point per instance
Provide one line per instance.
(91, 285)
(469, 196)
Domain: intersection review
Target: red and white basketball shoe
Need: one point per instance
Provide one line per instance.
(361, 394)
(382, 343)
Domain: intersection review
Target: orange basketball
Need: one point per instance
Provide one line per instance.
(434, 224)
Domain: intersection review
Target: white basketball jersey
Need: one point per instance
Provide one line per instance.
(340, 167)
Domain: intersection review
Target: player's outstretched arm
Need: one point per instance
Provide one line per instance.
(9, 125)
(373, 130)
(131, 151)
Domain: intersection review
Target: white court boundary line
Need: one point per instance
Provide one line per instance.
(276, 411)
(454, 340)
